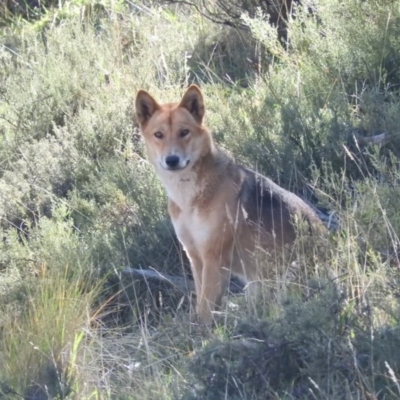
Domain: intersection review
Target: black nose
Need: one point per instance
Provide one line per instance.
(172, 161)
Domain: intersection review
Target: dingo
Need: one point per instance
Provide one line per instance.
(220, 210)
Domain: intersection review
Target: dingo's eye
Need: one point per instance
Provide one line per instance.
(184, 132)
(159, 135)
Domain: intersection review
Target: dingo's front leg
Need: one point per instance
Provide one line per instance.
(196, 265)
(214, 281)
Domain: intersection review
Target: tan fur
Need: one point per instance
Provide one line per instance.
(220, 211)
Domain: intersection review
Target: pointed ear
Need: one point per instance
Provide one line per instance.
(192, 100)
(146, 106)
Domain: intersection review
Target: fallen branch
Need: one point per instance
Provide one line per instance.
(159, 289)
(156, 281)
(381, 138)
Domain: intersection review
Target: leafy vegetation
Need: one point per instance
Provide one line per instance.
(318, 113)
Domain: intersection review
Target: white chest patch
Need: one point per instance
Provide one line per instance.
(181, 186)
(192, 229)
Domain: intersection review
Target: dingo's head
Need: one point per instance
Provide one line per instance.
(174, 135)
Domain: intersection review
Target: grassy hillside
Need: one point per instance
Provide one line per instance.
(319, 114)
